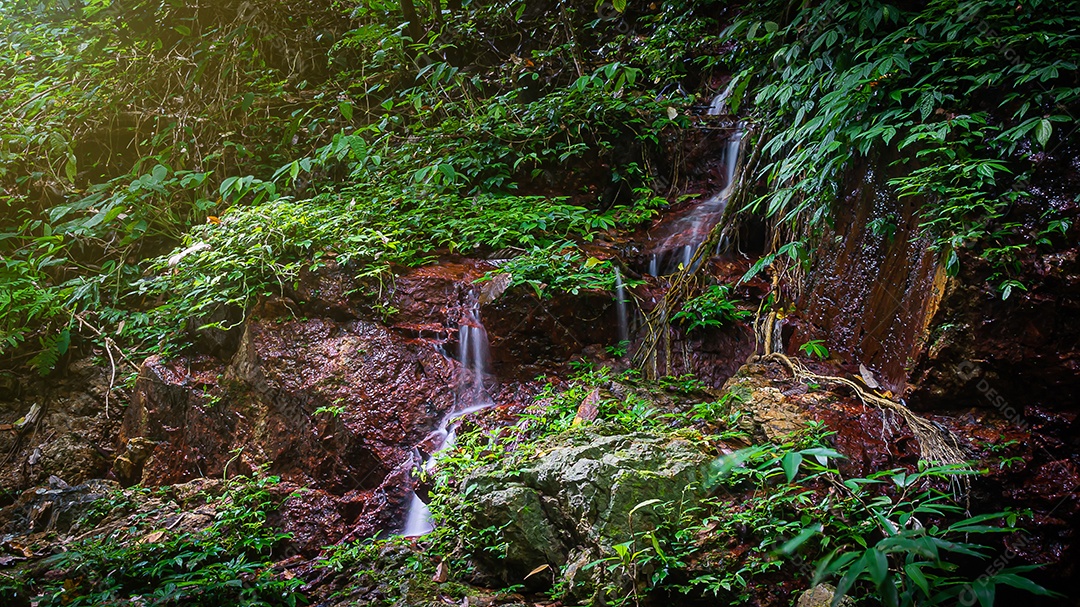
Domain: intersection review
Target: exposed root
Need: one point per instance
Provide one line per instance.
(685, 282)
(936, 444)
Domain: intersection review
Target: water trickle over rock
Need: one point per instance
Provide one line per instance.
(473, 394)
(681, 233)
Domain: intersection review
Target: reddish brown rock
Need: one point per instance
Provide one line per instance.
(332, 406)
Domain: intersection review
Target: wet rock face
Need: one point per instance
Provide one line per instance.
(58, 427)
(878, 294)
(1004, 372)
(1023, 351)
(431, 300)
(875, 281)
(711, 354)
(390, 391)
(578, 497)
(55, 507)
(529, 336)
(379, 395)
(1006, 354)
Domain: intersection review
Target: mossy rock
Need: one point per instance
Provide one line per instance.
(585, 494)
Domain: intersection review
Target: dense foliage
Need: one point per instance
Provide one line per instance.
(229, 561)
(119, 124)
(961, 99)
(260, 141)
(777, 513)
(164, 164)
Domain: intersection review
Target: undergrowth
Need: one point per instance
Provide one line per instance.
(959, 100)
(230, 561)
(144, 192)
(776, 516)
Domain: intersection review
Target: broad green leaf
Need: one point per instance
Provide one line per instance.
(790, 463)
(914, 572)
(793, 544)
(1043, 130)
(878, 566)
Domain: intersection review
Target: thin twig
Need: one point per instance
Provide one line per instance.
(109, 345)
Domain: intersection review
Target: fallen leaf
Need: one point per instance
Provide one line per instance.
(589, 408)
(151, 538)
(442, 573)
(538, 570)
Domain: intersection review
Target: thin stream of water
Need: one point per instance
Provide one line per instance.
(472, 395)
(681, 238)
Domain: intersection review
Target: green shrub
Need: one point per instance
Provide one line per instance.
(714, 307)
(228, 562)
(960, 97)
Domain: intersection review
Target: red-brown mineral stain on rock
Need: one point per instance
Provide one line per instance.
(379, 396)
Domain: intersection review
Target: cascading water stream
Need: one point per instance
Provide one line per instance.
(718, 102)
(620, 308)
(682, 237)
(472, 395)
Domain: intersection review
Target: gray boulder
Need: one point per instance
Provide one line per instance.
(584, 495)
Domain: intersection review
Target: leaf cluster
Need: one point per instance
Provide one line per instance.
(227, 562)
(960, 98)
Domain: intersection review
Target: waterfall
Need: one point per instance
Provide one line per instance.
(620, 308)
(475, 358)
(472, 395)
(418, 522)
(718, 102)
(680, 239)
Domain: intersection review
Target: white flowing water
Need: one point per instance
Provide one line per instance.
(620, 308)
(418, 522)
(473, 394)
(475, 359)
(681, 238)
(718, 102)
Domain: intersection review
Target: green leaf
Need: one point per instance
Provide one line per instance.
(790, 463)
(227, 185)
(823, 454)
(984, 590)
(914, 572)
(793, 544)
(878, 566)
(848, 581)
(1043, 130)
(1008, 578)
(63, 340)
